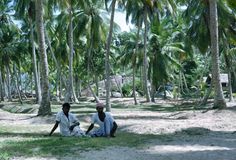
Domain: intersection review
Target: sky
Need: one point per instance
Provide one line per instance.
(120, 20)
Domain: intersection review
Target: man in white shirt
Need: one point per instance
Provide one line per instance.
(107, 125)
(68, 123)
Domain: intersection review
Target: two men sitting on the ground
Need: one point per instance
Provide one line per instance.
(69, 124)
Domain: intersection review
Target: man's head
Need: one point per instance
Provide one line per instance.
(66, 108)
(99, 107)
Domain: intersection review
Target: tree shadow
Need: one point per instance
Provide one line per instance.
(174, 107)
(197, 143)
(190, 143)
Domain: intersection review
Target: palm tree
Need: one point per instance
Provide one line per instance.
(58, 68)
(135, 10)
(93, 29)
(9, 35)
(134, 61)
(66, 9)
(45, 107)
(142, 12)
(166, 46)
(25, 10)
(1, 87)
(145, 60)
(107, 63)
(199, 34)
(131, 54)
(219, 101)
(70, 87)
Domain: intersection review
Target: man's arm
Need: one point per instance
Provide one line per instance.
(54, 128)
(90, 128)
(73, 126)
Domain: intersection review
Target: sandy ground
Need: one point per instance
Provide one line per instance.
(195, 135)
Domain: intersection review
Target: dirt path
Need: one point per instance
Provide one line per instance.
(195, 135)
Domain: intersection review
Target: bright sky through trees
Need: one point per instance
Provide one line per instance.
(121, 21)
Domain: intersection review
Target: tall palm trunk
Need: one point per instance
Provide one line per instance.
(45, 107)
(145, 62)
(134, 61)
(219, 101)
(1, 87)
(70, 86)
(119, 86)
(107, 62)
(89, 70)
(231, 98)
(36, 77)
(8, 72)
(57, 66)
(96, 83)
(17, 84)
(94, 94)
(229, 69)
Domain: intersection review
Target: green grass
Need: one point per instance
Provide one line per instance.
(4, 156)
(38, 145)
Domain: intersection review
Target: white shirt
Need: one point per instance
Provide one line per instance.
(95, 119)
(65, 123)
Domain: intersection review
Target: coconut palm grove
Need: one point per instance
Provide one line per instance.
(75, 51)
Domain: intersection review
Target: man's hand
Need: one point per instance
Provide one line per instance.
(72, 127)
(77, 123)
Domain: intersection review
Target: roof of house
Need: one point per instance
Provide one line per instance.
(223, 78)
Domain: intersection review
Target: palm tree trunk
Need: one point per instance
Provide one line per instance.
(118, 86)
(57, 66)
(31, 85)
(233, 78)
(134, 61)
(34, 61)
(153, 91)
(45, 107)
(185, 83)
(219, 101)
(61, 87)
(8, 82)
(20, 84)
(5, 87)
(70, 85)
(107, 62)
(207, 95)
(89, 70)
(231, 98)
(17, 84)
(1, 87)
(228, 66)
(97, 85)
(145, 62)
(93, 93)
